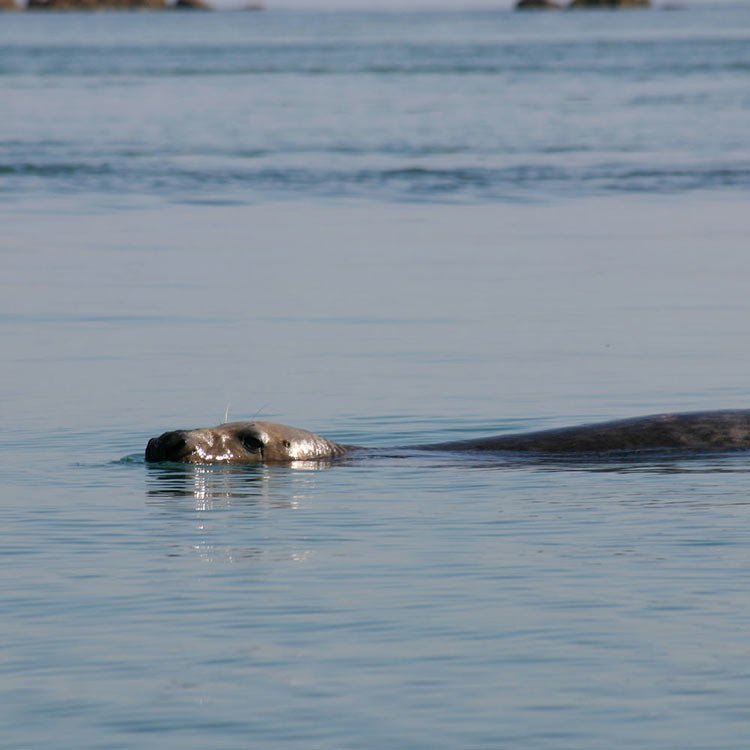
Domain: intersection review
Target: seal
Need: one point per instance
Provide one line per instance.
(269, 442)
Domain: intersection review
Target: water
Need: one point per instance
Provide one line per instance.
(388, 228)
(244, 107)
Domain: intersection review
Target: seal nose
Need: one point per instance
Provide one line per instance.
(167, 447)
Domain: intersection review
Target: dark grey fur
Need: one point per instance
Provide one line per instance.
(269, 442)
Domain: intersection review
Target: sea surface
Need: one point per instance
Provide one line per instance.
(390, 228)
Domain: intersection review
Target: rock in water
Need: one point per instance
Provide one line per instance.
(608, 4)
(538, 5)
(97, 5)
(192, 5)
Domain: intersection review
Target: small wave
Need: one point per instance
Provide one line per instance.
(53, 170)
(526, 181)
(596, 57)
(131, 458)
(615, 69)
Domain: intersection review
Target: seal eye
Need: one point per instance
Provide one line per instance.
(251, 443)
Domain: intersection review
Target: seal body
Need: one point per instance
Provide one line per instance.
(269, 442)
(696, 431)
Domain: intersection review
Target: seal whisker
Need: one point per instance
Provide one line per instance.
(257, 413)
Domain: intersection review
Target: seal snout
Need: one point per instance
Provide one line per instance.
(167, 447)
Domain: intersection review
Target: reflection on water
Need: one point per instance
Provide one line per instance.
(257, 492)
(213, 486)
(254, 493)
(650, 462)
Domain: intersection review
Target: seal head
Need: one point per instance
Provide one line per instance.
(241, 443)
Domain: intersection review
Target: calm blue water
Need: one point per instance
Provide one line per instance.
(481, 106)
(388, 228)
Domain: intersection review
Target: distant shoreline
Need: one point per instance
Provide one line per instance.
(101, 6)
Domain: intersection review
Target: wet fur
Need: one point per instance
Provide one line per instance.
(269, 442)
